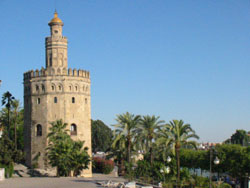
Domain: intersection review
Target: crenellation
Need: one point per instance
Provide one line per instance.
(70, 72)
(51, 72)
(75, 72)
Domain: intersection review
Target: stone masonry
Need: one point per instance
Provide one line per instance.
(54, 93)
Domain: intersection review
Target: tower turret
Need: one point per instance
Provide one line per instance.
(56, 48)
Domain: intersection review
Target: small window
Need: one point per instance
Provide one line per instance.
(43, 88)
(73, 129)
(55, 99)
(73, 99)
(56, 31)
(70, 88)
(59, 87)
(38, 100)
(37, 88)
(86, 100)
(53, 88)
(39, 131)
(76, 88)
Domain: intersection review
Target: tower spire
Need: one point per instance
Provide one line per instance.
(56, 45)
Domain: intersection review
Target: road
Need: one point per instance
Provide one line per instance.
(54, 182)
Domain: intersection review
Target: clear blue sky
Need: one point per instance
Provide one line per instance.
(185, 59)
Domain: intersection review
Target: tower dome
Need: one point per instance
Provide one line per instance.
(55, 20)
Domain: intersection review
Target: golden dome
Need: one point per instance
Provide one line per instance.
(55, 20)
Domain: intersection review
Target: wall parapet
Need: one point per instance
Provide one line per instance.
(56, 72)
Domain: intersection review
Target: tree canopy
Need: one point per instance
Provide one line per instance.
(64, 153)
(101, 136)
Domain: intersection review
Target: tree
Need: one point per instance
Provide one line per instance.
(7, 100)
(177, 134)
(16, 109)
(7, 154)
(64, 153)
(127, 128)
(148, 131)
(240, 137)
(101, 136)
(196, 159)
(234, 159)
(16, 120)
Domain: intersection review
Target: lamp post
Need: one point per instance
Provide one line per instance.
(166, 170)
(216, 162)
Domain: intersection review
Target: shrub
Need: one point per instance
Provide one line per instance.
(225, 185)
(8, 170)
(145, 170)
(102, 165)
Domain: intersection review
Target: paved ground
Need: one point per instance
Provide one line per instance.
(54, 182)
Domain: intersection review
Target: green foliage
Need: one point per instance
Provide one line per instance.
(64, 153)
(201, 182)
(8, 169)
(148, 131)
(148, 171)
(234, 159)
(143, 169)
(7, 155)
(240, 137)
(7, 100)
(101, 136)
(175, 135)
(224, 185)
(101, 165)
(194, 159)
(125, 132)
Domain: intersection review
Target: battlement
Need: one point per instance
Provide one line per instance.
(56, 72)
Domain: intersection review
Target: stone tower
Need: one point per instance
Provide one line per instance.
(54, 93)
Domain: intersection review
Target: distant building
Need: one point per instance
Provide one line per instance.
(52, 93)
(207, 145)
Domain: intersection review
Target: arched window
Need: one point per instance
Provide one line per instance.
(86, 101)
(76, 88)
(53, 88)
(73, 129)
(37, 88)
(43, 88)
(70, 88)
(60, 88)
(39, 131)
(73, 99)
(38, 100)
(55, 99)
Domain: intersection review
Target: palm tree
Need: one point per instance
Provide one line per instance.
(7, 100)
(126, 129)
(148, 132)
(177, 134)
(16, 109)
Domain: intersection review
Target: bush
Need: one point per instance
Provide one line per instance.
(148, 172)
(102, 165)
(143, 169)
(8, 170)
(225, 185)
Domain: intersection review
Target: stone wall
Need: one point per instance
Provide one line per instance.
(48, 98)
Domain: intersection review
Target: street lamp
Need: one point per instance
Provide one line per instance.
(169, 159)
(167, 169)
(216, 162)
